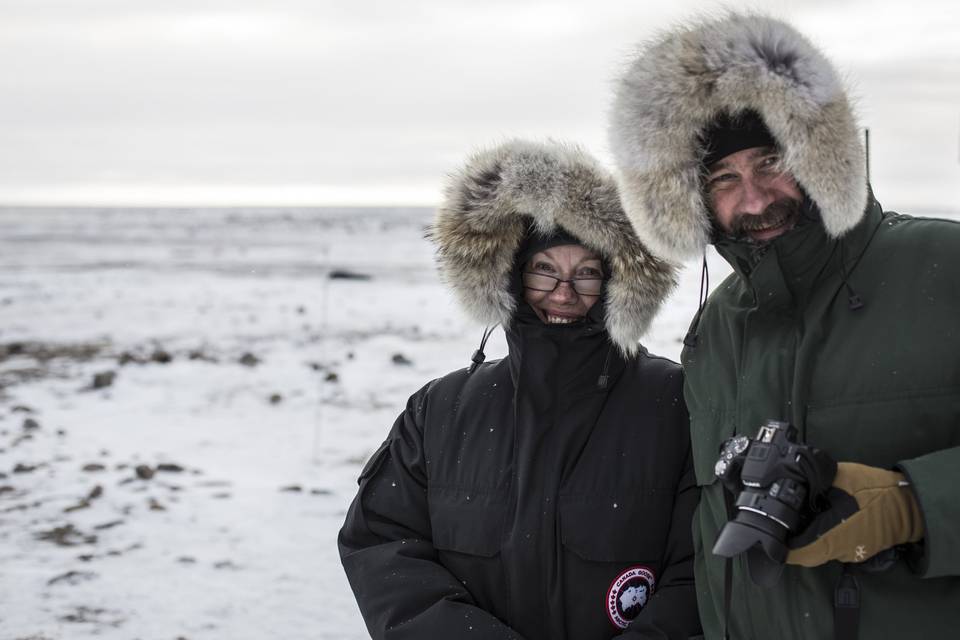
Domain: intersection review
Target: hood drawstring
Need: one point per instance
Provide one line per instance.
(854, 301)
(479, 356)
(690, 340)
(605, 373)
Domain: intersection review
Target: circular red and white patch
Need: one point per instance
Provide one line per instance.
(628, 593)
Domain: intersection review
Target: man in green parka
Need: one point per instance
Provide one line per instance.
(839, 318)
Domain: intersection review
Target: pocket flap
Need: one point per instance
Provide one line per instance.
(631, 529)
(466, 522)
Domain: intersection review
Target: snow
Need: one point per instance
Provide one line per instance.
(242, 542)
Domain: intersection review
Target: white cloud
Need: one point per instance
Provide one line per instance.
(373, 96)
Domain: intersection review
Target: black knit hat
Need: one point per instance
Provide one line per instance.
(535, 242)
(731, 133)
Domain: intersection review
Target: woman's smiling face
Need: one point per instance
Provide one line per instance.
(564, 304)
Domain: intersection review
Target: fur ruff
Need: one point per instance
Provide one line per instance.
(488, 205)
(681, 81)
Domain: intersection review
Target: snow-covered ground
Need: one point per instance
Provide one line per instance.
(186, 399)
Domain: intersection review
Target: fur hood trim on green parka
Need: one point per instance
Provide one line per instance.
(490, 204)
(687, 77)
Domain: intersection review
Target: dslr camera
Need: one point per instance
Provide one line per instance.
(774, 479)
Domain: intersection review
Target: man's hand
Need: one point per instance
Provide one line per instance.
(871, 509)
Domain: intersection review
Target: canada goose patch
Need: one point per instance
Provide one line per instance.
(628, 594)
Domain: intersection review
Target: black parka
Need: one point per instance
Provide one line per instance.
(505, 502)
(536, 496)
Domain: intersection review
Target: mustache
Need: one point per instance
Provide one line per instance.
(776, 214)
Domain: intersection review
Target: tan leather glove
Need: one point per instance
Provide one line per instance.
(871, 509)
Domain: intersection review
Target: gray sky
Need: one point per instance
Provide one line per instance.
(314, 102)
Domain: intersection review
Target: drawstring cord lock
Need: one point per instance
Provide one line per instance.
(479, 356)
(477, 359)
(854, 301)
(604, 378)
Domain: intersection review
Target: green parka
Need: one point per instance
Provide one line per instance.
(878, 385)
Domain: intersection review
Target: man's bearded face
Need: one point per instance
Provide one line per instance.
(751, 196)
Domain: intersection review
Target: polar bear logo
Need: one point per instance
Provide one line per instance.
(634, 596)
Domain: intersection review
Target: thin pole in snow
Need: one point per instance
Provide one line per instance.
(866, 138)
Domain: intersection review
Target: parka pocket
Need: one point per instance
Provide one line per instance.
(708, 431)
(628, 529)
(467, 531)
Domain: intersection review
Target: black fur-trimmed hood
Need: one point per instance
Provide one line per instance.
(682, 80)
(489, 205)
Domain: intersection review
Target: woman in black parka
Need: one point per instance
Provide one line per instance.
(548, 494)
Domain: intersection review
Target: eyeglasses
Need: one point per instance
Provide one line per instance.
(543, 282)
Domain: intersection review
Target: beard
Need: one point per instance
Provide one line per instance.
(785, 212)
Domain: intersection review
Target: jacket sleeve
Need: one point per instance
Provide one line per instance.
(386, 549)
(933, 478)
(672, 611)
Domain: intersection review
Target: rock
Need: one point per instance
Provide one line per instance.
(293, 488)
(72, 577)
(187, 560)
(126, 358)
(92, 467)
(200, 354)
(321, 492)
(25, 468)
(65, 536)
(161, 357)
(83, 504)
(11, 349)
(30, 425)
(249, 360)
(21, 408)
(225, 564)
(155, 505)
(344, 274)
(6, 489)
(95, 493)
(144, 471)
(401, 360)
(108, 525)
(103, 379)
(331, 377)
(169, 467)
(350, 355)
(21, 438)
(276, 398)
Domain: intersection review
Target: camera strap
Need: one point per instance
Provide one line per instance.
(846, 606)
(727, 595)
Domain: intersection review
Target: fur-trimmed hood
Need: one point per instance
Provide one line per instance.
(489, 205)
(684, 79)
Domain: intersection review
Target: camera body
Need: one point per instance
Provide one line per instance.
(771, 476)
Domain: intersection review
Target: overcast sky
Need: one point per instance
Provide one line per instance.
(315, 102)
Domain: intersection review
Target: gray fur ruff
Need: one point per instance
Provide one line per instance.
(487, 206)
(681, 81)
